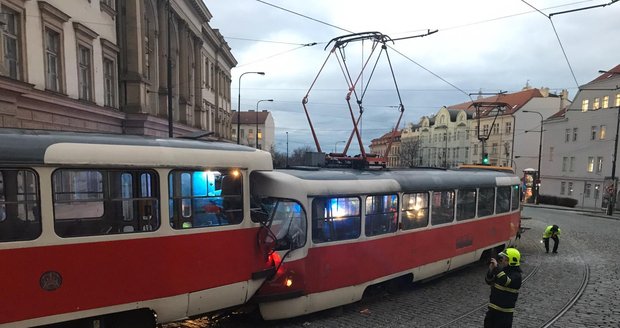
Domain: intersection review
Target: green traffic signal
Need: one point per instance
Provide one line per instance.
(485, 159)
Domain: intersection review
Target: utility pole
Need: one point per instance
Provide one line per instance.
(169, 69)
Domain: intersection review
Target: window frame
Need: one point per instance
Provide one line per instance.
(84, 38)
(109, 52)
(409, 220)
(387, 215)
(335, 234)
(143, 209)
(18, 13)
(53, 19)
(20, 228)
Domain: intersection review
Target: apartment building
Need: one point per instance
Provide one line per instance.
(257, 129)
(578, 148)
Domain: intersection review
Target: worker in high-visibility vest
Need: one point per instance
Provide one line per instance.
(553, 232)
(504, 276)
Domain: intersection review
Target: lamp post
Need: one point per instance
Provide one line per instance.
(239, 103)
(258, 102)
(537, 181)
(286, 149)
(336, 145)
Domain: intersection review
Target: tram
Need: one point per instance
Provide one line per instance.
(338, 231)
(104, 230)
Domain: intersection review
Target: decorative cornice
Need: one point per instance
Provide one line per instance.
(53, 11)
(83, 29)
(109, 45)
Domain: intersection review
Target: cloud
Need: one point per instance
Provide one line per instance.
(481, 45)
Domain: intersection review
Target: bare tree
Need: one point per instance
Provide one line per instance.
(298, 156)
(409, 152)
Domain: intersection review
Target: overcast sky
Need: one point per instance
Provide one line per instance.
(481, 45)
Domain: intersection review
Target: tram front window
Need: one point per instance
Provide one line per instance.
(287, 222)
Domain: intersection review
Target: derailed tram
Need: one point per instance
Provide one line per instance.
(338, 231)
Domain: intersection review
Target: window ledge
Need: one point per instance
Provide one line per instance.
(109, 10)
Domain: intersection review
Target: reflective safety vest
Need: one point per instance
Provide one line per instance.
(549, 234)
(505, 286)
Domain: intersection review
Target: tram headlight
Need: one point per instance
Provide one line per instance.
(288, 282)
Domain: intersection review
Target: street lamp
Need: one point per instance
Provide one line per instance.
(336, 145)
(239, 103)
(537, 181)
(258, 102)
(287, 149)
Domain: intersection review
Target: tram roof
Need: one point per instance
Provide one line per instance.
(21, 146)
(407, 179)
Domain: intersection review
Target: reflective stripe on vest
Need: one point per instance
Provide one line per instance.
(501, 309)
(506, 289)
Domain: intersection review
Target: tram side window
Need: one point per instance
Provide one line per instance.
(466, 204)
(335, 219)
(503, 199)
(20, 217)
(442, 210)
(381, 214)
(516, 198)
(486, 201)
(415, 210)
(102, 202)
(205, 198)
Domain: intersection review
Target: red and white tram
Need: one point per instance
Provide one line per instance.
(337, 232)
(110, 230)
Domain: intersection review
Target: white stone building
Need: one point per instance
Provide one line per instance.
(578, 146)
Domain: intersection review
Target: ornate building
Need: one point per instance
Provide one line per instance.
(200, 67)
(102, 66)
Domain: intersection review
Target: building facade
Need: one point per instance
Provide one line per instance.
(578, 148)
(380, 145)
(444, 138)
(101, 66)
(255, 125)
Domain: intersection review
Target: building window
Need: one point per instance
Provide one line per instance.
(551, 149)
(475, 149)
(508, 127)
(587, 190)
(562, 188)
(584, 105)
(567, 135)
(590, 164)
(494, 149)
(606, 102)
(617, 100)
(570, 189)
(84, 73)
(495, 128)
(574, 134)
(109, 96)
(52, 60)
(84, 38)
(110, 75)
(53, 25)
(564, 164)
(11, 46)
(602, 132)
(594, 133)
(572, 164)
(596, 105)
(599, 164)
(597, 188)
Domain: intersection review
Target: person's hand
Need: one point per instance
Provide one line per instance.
(492, 264)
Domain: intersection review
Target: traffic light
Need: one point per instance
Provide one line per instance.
(485, 159)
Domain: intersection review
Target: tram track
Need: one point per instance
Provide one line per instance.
(485, 304)
(535, 270)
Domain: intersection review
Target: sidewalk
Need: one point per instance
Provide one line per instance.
(586, 211)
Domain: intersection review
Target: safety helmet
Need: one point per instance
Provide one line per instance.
(555, 228)
(513, 255)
